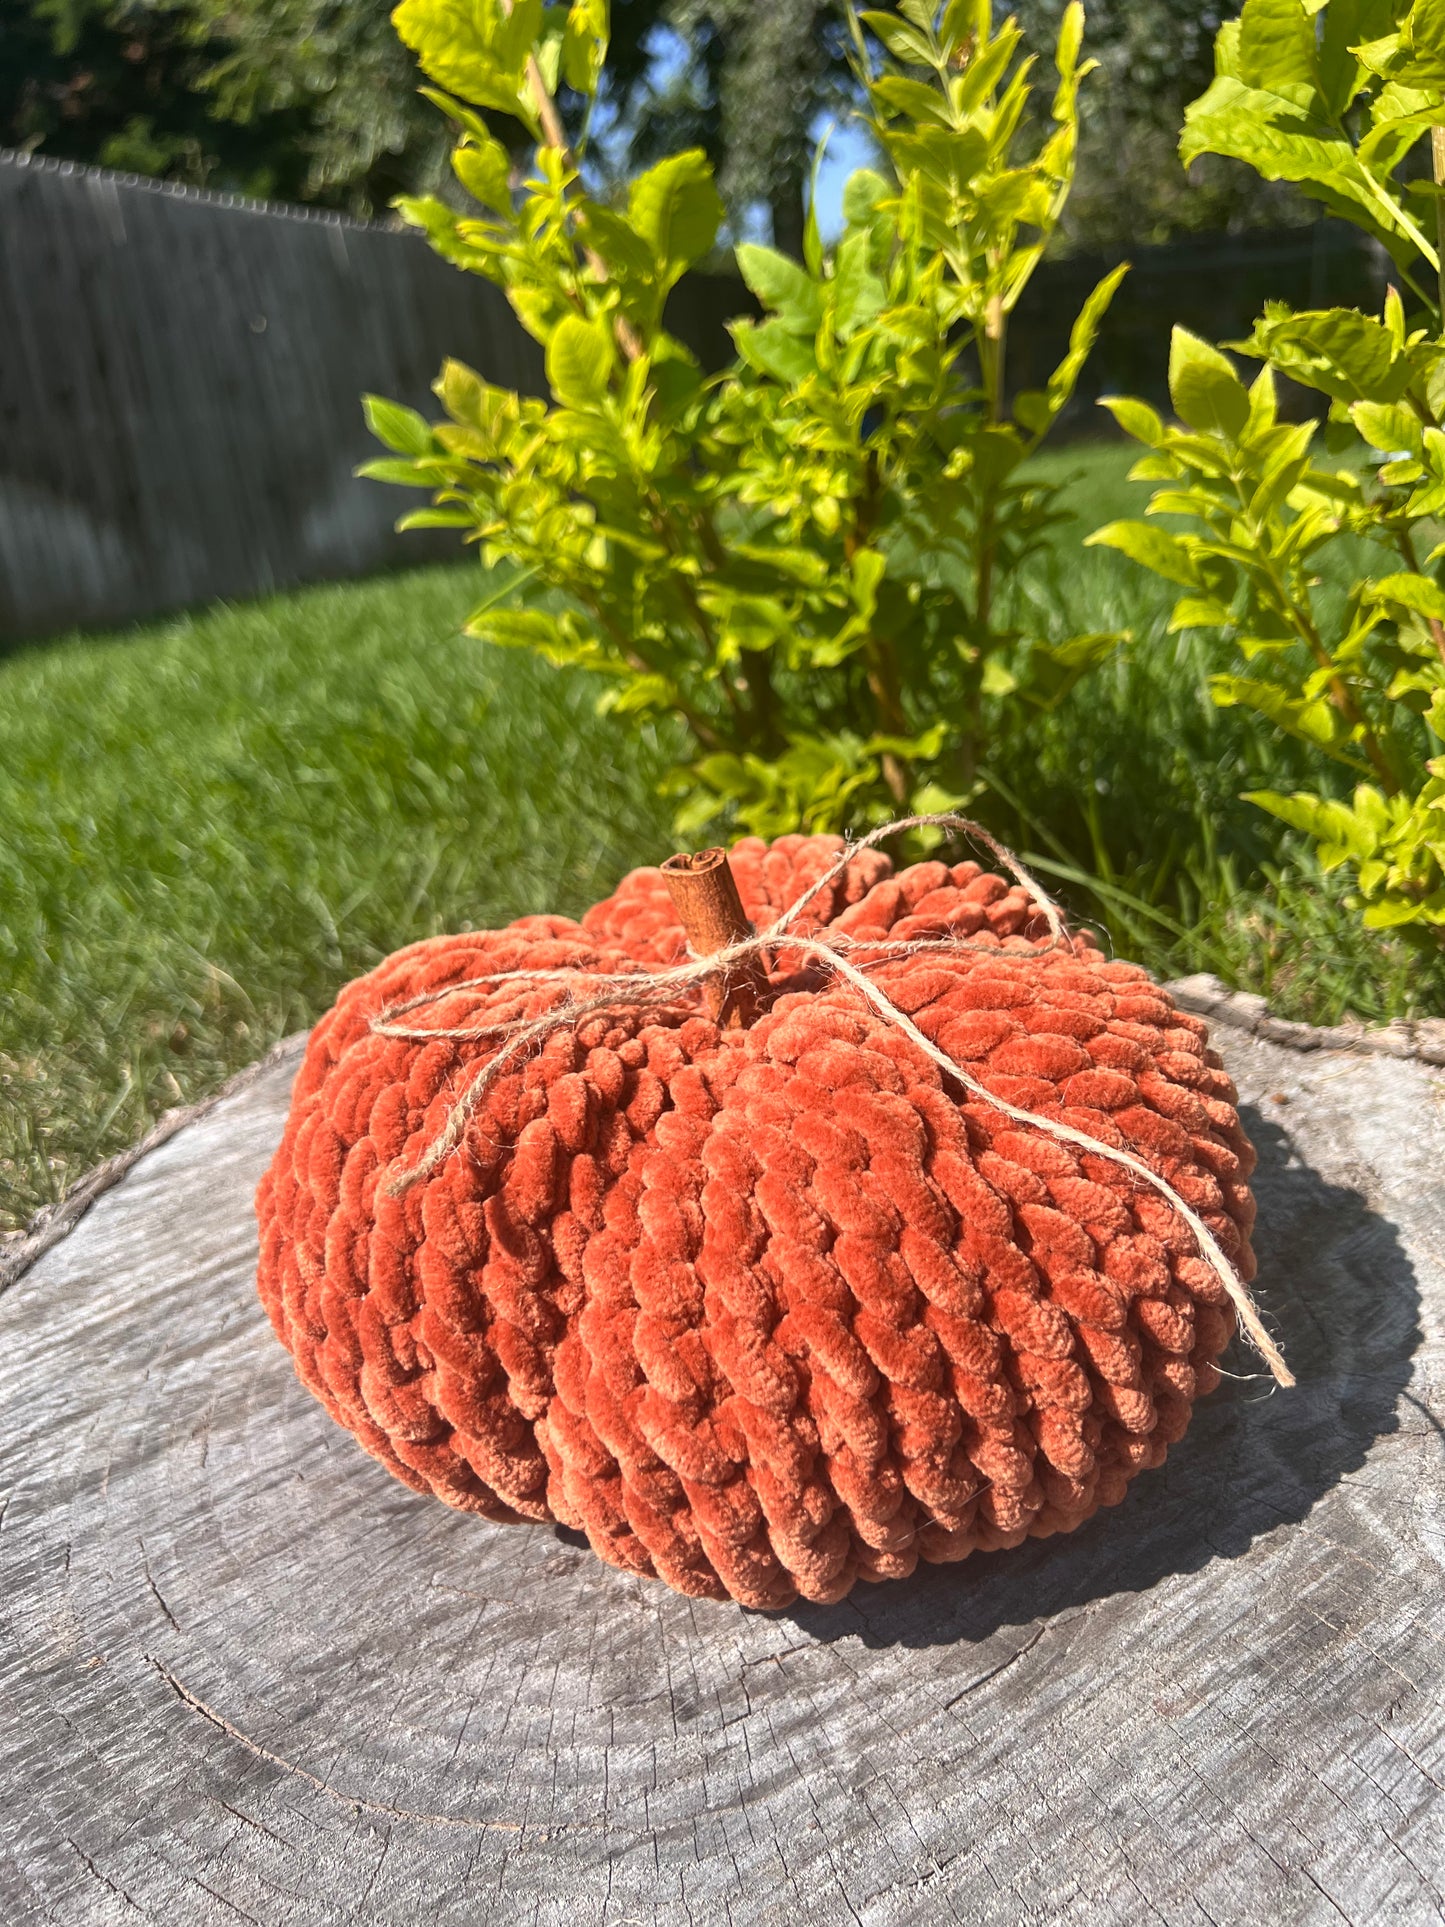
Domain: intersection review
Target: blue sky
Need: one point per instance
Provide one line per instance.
(848, 146)
(848, 150)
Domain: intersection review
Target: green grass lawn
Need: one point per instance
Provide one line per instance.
(208, 824)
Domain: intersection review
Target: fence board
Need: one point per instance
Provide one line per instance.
(179, 392)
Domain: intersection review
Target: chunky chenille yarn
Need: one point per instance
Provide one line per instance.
(765, 1311)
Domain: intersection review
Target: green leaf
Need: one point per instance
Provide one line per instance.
(1395, 133)
(1082, 336)
(1277, 136)
(1033, 411)
(1282, 140)
(628, 256)
(1155, 548)
(1277, 47)
(1322, 818)
(580, 358)
(903, 40)
(946, 159)
(858, 293)
(640, 694)
(1347, 24)
(1311, 718)
(774, 350)
(812, 233)
(1339, 351)
(1136, 418)
(1395, 911)
(403, 474)
(862, 194)
(400, 429)
(584, 45)
(675, 208)
(1387, 427)
(798, 565)
(935, 799)
(485, 171)
(1263, 408)
(914, 100)
(782, 286)
(1407, 591)
(1206, 392)
(996, 678)
(503, 588)
(1049, 670)
(959, 26)
(1199, 612)
(512, 628)
(1071, 39)
(466, 118)
(474, 48)
(1424, 39)
(493, 413)
(458, 518)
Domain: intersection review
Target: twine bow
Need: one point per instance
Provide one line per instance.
(643, 988)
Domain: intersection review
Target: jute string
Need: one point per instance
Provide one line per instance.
(643, 988)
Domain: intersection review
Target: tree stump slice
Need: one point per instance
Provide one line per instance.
(244, 1675)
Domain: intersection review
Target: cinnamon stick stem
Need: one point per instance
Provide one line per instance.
(704, 893)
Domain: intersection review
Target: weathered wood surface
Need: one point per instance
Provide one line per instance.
(245, 1675)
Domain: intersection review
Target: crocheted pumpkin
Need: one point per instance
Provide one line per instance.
(765, 1310)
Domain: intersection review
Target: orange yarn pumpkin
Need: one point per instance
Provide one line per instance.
(765, 1311)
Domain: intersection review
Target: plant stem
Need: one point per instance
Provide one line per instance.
(662, 525)
(992, 348)
(1437, 166)
(967, 756)
(758, 677)
(1345, 703)
(1300, 618)
(628, 650)
(762, 694)
(883, 682)
(995, 329)
(882, 672)
(1405, 542)
(555, 135)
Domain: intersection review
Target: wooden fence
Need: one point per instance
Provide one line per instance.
(180, 374)
(179, 388)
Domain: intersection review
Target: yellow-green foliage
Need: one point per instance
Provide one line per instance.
(809, 558)
(1334, 98)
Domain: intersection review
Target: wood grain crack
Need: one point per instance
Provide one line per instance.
(358, 1802)
(154, 1588)
(1002, 1667)
(97, 1875)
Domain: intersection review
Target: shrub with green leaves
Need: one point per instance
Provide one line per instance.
(809, 558)
(1345, 99)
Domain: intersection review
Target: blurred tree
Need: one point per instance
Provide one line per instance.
(339, 68)
(1156, 56)
(118, 85)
